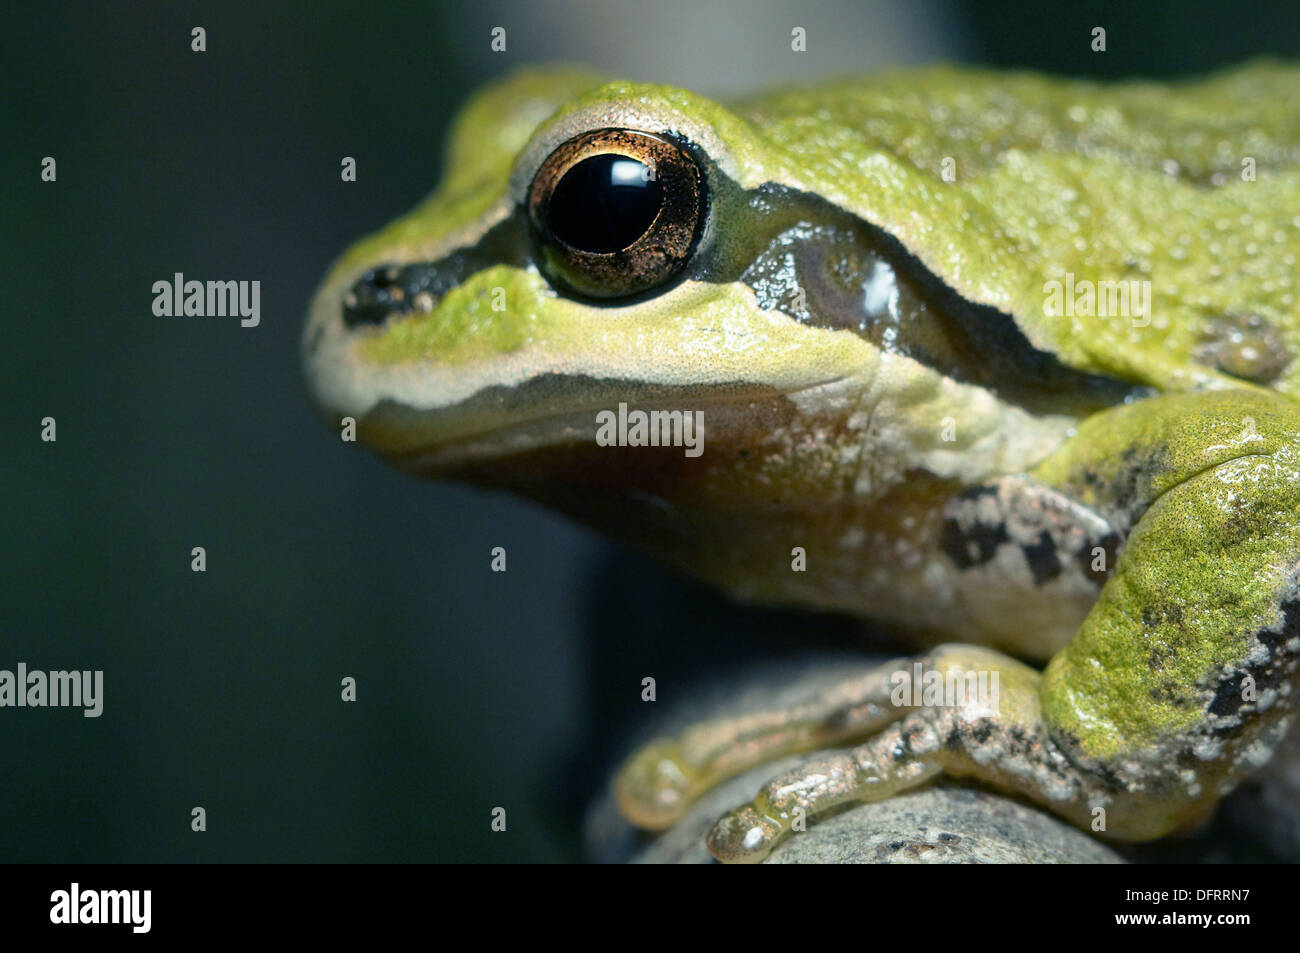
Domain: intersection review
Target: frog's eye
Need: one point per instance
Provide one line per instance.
(615, 212)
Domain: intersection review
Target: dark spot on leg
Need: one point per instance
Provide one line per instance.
(1098, 566)
(973, 545)
(1269, 674)
(1227, 699)
(1042, 558)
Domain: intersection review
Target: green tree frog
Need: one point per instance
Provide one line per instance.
(1004, 362)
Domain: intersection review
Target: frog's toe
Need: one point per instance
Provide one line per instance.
(745, 836)
(750, 832)
(655, 786)
(901, 757)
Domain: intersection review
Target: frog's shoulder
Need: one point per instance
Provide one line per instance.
(1016, 188)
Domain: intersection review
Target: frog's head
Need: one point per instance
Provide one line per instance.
(596, 244)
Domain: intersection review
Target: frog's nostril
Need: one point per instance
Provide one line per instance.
(389, 290)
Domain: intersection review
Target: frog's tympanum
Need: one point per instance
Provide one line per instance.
(1008, 364)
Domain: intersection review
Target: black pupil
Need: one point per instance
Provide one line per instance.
(603, 204)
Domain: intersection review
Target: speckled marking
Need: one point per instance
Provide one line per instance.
(1026, 533)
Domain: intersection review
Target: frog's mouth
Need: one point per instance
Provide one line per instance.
(606, 424)
(732, 449)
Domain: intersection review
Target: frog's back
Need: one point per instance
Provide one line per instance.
(1145, 231)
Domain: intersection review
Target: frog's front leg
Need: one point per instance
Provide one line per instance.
(661, 780)
(1180, 679)
(977, 713)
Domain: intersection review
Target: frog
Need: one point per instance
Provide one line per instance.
(1001, 362)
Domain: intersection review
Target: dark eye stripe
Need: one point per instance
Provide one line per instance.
(825, 267)
(394, 289)
(822, 286)
(390, 290)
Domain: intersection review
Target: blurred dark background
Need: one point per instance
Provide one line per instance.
(222, 689)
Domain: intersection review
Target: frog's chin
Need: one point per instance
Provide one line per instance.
(597, 425)
(641, 494)
(590, 445)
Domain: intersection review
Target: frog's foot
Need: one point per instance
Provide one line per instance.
(979, 716)
(659, 782)
(892, 762)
